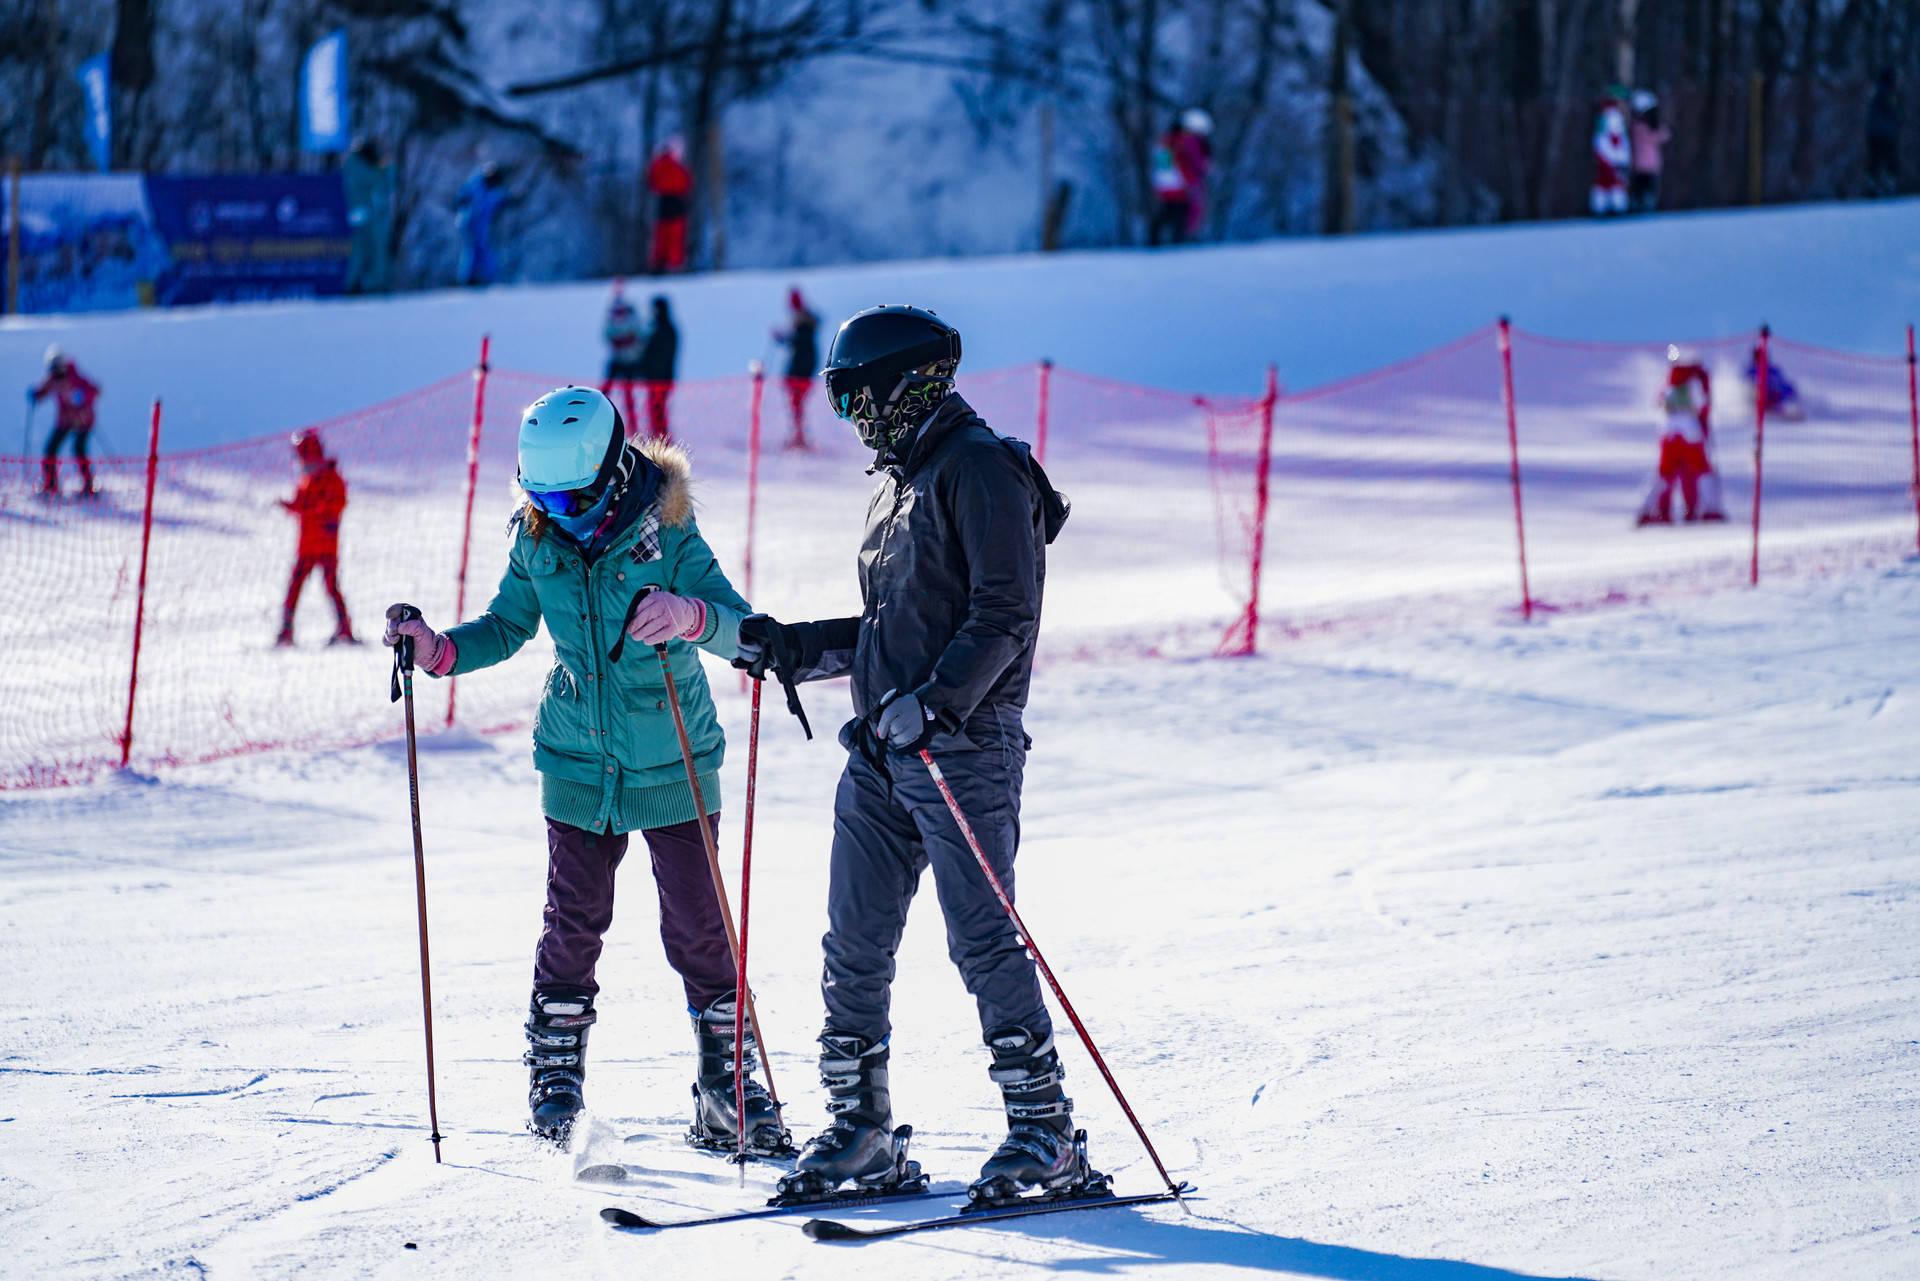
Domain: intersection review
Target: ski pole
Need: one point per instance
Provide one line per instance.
(746, 904)
(26, 433)
(744, 996)
(1026, 940)
(403, 689)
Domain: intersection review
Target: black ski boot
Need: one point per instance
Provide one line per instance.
(860, 1146)
(557, 1027)
(714, 1126)
(1041, 1149)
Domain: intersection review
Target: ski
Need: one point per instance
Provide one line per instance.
(832, 1230)
(621, 1217)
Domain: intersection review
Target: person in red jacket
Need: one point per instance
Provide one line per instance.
(672, 184)
(73, 394)
(318, 502)
(1686, 400)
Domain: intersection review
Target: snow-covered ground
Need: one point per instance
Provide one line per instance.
(1432, 947)
(1572, 949)
(1203, 319)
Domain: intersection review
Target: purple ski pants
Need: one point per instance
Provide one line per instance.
(580, 873)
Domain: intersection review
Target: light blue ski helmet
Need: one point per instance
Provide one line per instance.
(568, 439)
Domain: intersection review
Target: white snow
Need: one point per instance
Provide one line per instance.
(1440, 947)
(1579, 948)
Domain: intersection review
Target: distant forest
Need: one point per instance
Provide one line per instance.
(823, 130)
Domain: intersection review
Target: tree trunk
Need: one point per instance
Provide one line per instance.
(40, 131)
(1335, 216)
(131, 69)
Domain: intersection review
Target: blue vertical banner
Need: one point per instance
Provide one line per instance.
(96, 95)
(323, 95)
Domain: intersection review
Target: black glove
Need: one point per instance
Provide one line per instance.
(904, 723)
(765, 644)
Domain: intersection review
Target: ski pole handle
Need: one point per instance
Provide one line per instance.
(633, 607)
(402, 650)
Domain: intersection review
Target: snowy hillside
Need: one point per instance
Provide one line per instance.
(1579, 949)
(1207, 319)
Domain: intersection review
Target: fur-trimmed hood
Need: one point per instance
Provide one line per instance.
(675, 496)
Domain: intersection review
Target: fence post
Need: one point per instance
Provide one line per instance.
(473, 482)
(13, 236)
(1913, 421)
(1513, 453)
(759, 372)
(140, 598)
(1264, 470)
(1040, 428)
(1759, 442)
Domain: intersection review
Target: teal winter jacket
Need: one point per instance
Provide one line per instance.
(603, 738)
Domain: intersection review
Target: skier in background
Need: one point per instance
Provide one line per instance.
(319, 501)
(1883, 136)
(1783, 398)
(1181, 160)
(73, 396)
(1648, 139)
(801, 339)
(1611, 155)
(480, 200)
(1686, 400)
(602, 518)
(623, 337)
(368, 178)
(659, 357)
(941, 658)
(672, 186)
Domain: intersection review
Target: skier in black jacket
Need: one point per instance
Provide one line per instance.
(941, 656)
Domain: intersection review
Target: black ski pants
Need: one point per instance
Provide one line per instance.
(889, 825)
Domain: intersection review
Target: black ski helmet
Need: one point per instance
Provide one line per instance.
(888, 368)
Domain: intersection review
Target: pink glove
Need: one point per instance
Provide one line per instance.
(662, 616)
(433, 652)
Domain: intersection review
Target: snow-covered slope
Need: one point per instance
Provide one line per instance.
(1204, 319)
(1430, 953)
(1579, 949)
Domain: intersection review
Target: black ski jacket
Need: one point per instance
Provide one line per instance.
(951, 572)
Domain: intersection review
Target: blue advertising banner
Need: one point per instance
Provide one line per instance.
(241, 237)
(97, 102)
(87, 242)
(323, 95)
(95, 242)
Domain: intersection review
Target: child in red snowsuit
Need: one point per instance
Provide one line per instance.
(73, 394)
(671, 183)
(1687, 398)
(318, 502)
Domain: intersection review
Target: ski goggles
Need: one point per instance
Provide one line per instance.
(571, 502)
(849, 394)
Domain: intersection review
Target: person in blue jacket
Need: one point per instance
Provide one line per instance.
(480, 200)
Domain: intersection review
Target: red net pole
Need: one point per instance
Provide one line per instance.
(1513, 452)
(746, 905)
(1913, 422)
(473, 483)
(1264, 469)
(1759, 441)
(1040, 421)
(753, 474)
(753, 489)
(140, 599)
